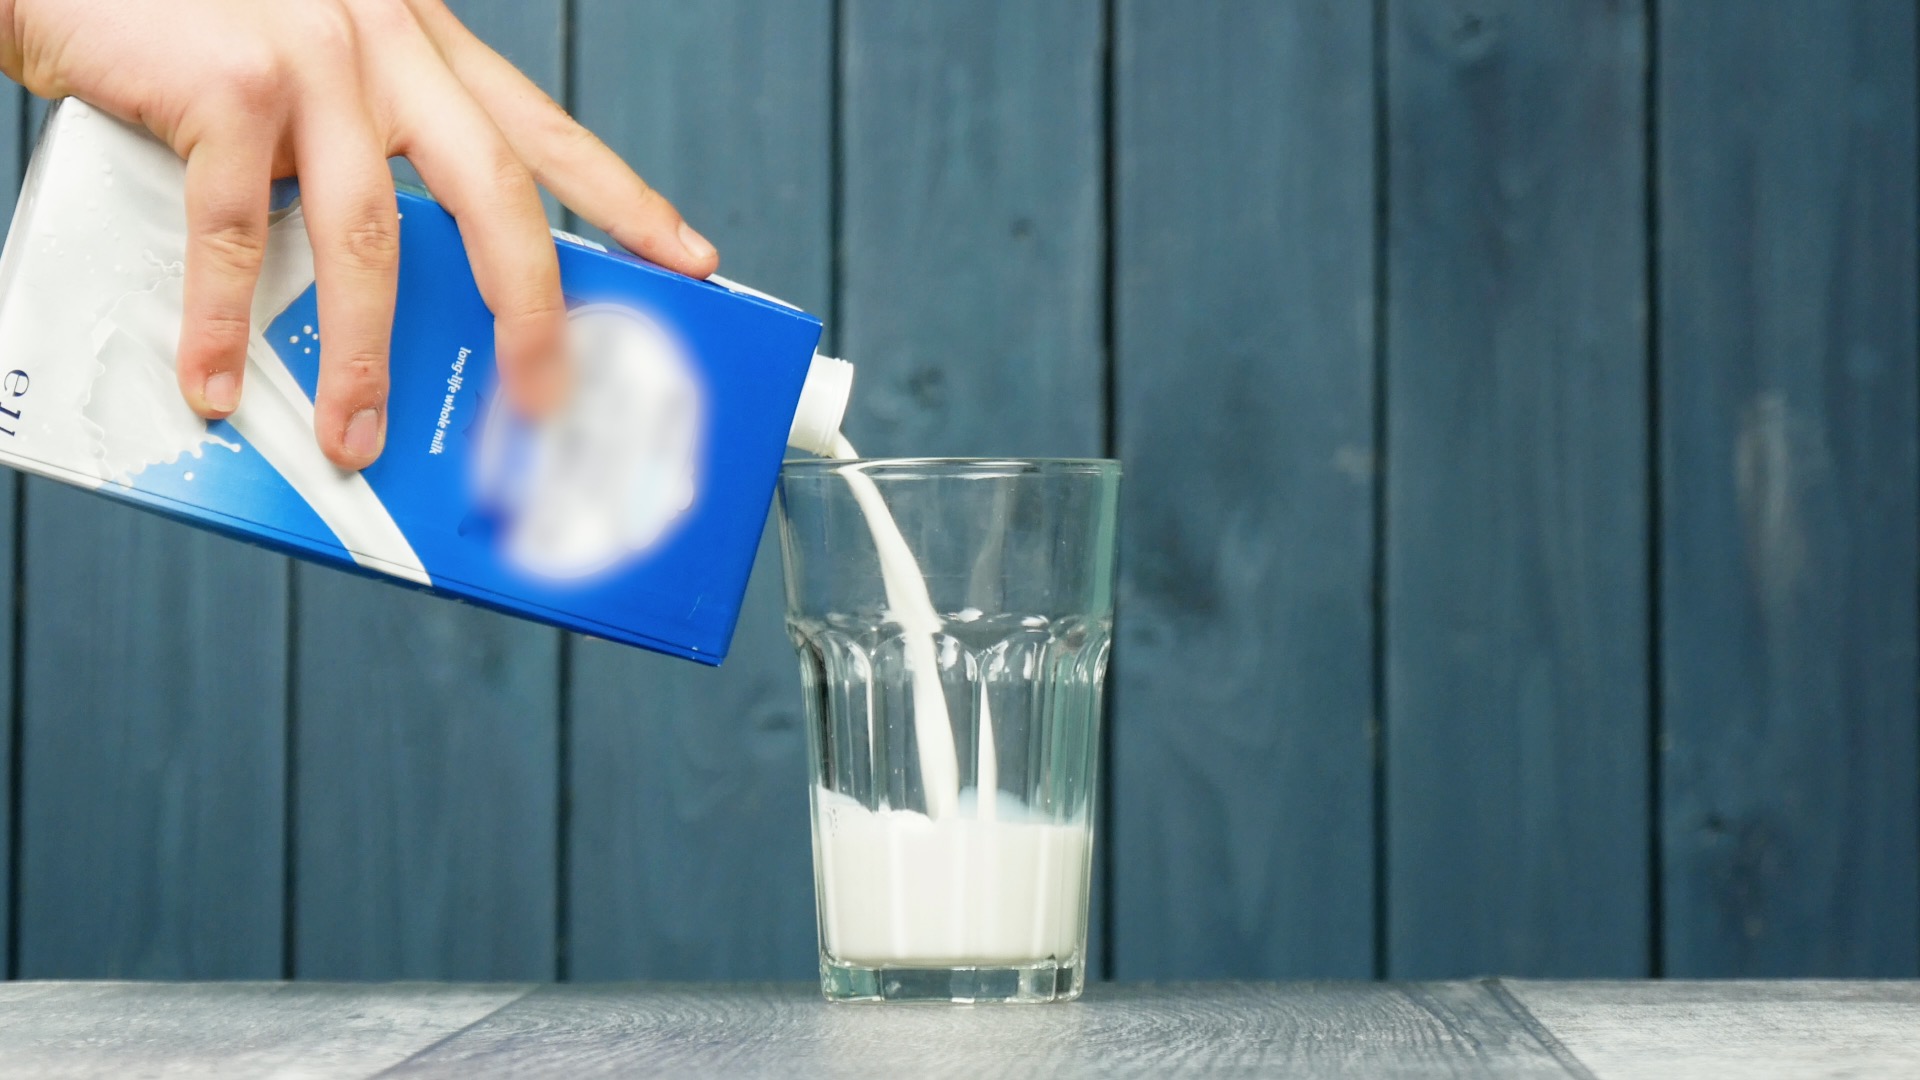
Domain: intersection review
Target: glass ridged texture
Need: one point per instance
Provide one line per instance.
(925, 889)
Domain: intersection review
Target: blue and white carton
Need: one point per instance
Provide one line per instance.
(633, 514)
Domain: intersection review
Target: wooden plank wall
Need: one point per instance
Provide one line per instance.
(1243, 716)
(1788, 444)
(1521, 409)
(1516, 494)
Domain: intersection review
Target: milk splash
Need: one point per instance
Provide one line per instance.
(141, 420)
(138, 417)
(101, 235)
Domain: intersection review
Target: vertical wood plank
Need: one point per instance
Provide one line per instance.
(14, 146)
(688, 850)
(1516, 512)
(153, 751)
(971, 239)
(426, 742)
(1244, 312)
(1788, 464)
(426, 782)
(972, 235)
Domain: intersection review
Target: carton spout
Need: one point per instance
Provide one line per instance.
(823, 405)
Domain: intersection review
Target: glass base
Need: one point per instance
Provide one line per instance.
(1024, 984)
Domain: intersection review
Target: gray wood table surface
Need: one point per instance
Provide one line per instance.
(1492, 1027)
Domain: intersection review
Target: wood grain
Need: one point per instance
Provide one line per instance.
(426, 743)
(207, 1031)
(1788, 464)
(1243, 315)
(1491, 1028)
(1750, 1030)
(688, 837)
(1516, 503)
(152, 705)
(427, 773)
(971, 244)
(1326, 1030)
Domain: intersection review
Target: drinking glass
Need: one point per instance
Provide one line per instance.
(952, 726)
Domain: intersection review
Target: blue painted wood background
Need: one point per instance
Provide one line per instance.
(1520, 410)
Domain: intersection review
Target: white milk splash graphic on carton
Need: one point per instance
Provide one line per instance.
(633, 515)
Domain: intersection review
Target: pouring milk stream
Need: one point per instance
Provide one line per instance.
(604, 524)
(957, 885)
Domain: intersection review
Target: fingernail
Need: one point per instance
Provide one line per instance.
(695, 244)
(221, 392)
(363, 435)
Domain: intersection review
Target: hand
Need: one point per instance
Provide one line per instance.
(250, 90)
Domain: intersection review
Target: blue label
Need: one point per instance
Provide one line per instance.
(633, 515)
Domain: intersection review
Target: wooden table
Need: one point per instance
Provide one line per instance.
(1494, 1027)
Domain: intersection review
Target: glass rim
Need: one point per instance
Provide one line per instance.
(952, 467)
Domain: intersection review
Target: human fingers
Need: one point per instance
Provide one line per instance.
(228, 176)
(347, 195)
(565, 157)
(476, 176)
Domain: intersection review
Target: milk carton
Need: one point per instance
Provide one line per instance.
(632, 515)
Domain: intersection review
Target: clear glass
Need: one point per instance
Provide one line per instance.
(917, 702)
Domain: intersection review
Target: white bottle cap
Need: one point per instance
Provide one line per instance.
(823, 404)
